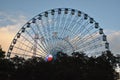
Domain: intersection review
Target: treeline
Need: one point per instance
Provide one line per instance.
(64, 67)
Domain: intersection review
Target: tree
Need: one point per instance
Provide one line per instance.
(2, 53)
(75, 67)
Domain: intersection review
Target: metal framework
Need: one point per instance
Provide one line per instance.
(61, 29)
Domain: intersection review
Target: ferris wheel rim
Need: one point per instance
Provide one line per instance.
(49, 12)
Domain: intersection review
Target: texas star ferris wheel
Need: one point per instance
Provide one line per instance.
(61, 29)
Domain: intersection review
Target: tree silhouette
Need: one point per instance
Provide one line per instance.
(2, 53)
(76, 67)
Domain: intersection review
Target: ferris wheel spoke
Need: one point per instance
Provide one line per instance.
(40, 38)
(58, 20)
(65, 22)
(66, 43)
(87, 38)
(62, 23)
(73, 22)
(48, 26)
(44, 46)
(91, 42)
(33, 40)
(26, 55)
(69, 18)
(78, 24)
(69, 26)
(21, 49)
(94, 47)
(21, 55)
(70, 23)
(43, 27)
(56, 28)
(24, 51)
(30, 48)
(48, 31)
(79, 40)
(87, 32)
(39, 25)
(45, 34)
(51, 31)
(38, 28)
(82, 28)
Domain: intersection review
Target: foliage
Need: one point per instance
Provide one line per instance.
(64, 67)
(2, 53)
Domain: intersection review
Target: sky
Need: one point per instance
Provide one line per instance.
(15, 13)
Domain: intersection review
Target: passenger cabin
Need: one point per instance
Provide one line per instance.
(96, 25)
(101, 31)
(85, 16)
(104, 38)
(52, 12)
(107, 45)
(72, 11)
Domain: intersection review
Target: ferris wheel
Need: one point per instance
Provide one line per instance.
(61, 29)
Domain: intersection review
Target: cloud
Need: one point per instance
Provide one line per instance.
(10, 19)
(9, 26)
(114, 40)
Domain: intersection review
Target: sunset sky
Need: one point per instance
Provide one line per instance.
(15, 13)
